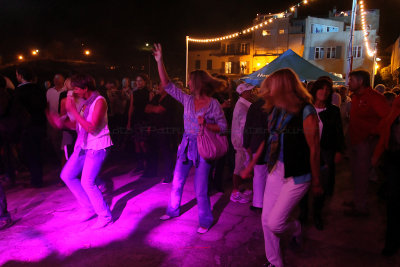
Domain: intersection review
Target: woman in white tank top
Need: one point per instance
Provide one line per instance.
(91, 123)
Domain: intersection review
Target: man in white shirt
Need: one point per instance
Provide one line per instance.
(53, 94)
(238, 123)
(53, 99)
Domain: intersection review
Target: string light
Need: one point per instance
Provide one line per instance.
(370, 52)
(248, 30)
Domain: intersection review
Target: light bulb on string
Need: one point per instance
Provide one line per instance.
(253, 28)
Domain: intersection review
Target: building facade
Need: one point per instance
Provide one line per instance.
(322, 41)
(395, 61)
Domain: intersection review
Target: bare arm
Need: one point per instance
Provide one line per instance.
(154, 109)
(69, 124)
(63, 110)
(56, 121)
(311, 132)
(130, 112)
(157, 51)
(99, 111)
(246, 173)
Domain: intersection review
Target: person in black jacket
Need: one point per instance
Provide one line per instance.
(5, 218)
(255, 132)
(31, 100)
(332, 145)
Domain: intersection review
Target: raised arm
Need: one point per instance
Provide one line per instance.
(311, 132)
(166, 85)
(157, 52)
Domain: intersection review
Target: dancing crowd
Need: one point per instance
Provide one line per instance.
(277, 144)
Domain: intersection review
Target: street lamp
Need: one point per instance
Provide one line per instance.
(87, 52)
(20, 57)
(35, 52)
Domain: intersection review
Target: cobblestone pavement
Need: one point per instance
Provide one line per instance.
(44, 233)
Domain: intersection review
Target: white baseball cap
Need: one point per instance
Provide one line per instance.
(244, 87)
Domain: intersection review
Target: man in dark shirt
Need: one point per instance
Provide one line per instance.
(31, 100)
(161, 112)
(5, 218)
(255, 132)
(137, 121)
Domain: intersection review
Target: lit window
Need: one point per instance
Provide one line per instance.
(243, 67)
(332, 29)
(228, 67)
(282, 31)
(331, 52)
(266, 32)
(319, 28)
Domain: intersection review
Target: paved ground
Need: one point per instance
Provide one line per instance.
(45, 235)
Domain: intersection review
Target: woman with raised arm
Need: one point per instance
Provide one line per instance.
(200, 110)
(91, 123)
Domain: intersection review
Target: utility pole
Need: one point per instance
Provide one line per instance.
(187, 61)
(350, 47)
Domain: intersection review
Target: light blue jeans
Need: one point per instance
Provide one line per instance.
(88, 163)
(182, 169)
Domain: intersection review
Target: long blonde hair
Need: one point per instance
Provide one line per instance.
(204, 84)
(286, 86)
(265, 93)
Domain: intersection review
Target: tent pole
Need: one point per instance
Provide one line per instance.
(350, 47)
(187, 61)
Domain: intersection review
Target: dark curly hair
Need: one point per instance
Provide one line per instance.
(320, 84)
(83, 81)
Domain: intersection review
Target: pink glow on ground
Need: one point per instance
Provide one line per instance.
(44, 224)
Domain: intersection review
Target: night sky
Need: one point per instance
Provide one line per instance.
(116, 30)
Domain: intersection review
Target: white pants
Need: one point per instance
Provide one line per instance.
(280, 198)
(259, 180)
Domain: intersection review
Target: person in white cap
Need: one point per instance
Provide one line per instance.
(245, 92)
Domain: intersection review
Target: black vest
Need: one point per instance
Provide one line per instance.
(296, 153)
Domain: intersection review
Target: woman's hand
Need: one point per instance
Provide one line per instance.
(201, 120)
(70, 105)
(338, 157)
(246, 173)
(317, 189)
(226, 104)
(157, 52)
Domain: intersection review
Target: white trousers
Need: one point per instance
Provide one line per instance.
(280, 198)
(259, 180)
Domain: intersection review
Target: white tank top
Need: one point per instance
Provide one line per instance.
(101, 138)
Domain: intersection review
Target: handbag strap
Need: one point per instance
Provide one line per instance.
(201, 132)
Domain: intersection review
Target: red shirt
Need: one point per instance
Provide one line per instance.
(367, 110)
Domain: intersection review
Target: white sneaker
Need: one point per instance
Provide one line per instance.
(102, 222)
(202, 230)
(83, 215)
(165, 217)
(239, 198)
(247, 192)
